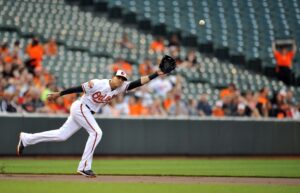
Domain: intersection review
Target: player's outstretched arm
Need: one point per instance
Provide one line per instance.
(167, 65)
(55, 95)
(144, 80)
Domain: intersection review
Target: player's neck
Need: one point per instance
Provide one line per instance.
(112, 87)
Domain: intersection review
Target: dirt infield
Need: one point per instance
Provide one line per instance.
(154, 179)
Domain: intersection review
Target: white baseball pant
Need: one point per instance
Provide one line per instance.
(80, 116)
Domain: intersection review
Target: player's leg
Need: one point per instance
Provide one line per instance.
(61, 134)
(87, 121)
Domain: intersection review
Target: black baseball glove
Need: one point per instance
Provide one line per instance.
(167, 64)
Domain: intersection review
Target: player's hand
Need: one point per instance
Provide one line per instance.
(159, 72)
(53, 96)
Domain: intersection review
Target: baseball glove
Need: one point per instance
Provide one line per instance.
(167, 64)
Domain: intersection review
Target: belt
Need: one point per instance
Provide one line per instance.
(93, 112)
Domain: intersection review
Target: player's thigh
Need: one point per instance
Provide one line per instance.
(87, 121)
(69, 127)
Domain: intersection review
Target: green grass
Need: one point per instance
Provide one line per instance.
(181, 167)
(80, 187)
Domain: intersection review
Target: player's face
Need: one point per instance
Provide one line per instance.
(117, 81)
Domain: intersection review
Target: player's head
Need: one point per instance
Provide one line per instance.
(118, 78)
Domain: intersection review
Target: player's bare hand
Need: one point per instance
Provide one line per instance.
(53, 96)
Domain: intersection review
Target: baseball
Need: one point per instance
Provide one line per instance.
(201, 22)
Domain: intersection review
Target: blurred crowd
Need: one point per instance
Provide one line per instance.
(25, 84)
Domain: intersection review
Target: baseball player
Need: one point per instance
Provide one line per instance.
(97, 93)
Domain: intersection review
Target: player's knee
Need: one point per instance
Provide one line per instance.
(99, 133)
(62, 138)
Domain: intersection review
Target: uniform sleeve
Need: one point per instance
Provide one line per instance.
(88, 87)
(124, 87)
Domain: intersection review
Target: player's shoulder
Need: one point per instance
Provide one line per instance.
(124, 86)
(96, 81)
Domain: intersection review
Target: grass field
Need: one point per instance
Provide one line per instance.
(188, 167)
(80, 187)
(179, 167)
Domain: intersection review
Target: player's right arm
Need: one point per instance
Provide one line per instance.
(86, 87)
(55, 95)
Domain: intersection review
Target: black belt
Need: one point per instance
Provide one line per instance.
(93, 112)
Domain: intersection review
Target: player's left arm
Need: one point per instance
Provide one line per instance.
(143, 80)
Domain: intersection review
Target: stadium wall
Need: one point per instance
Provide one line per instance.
(172, 136)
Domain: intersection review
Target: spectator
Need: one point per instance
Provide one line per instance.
(218, 110)
(121, 105)
(32, 102)
(123, 65)
(7, 71)
(174, 53)
(178, 108)
(35, 53)
(158, 45)
(190, 60)
(17, 53)
(57, 106)
(284, 60)
(5, 54)
(4, 50)
(241, 111)
(169, 100)
(125, 42)
(146, 67)
(203, 107)
(68, 100)
(5, 102)
(157, 109)
(174, 43)
(251, 103)
(41, 77)
(143, 92)
(136, 107)
(192, 107)
(230, 105)
(290, 99)
(228, 92)
(280, 108)
(295, 112)
(263, 103)
(111, 109)
(160, 86)
(51, 47)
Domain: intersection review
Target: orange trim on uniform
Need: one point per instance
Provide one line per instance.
(90, 126)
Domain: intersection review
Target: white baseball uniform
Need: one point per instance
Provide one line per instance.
(97, 93)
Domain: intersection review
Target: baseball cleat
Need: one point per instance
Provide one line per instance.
(87, 173)
(20, 146)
